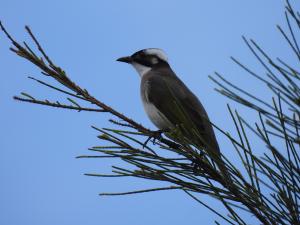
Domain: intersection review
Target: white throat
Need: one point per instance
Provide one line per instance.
(141, 69)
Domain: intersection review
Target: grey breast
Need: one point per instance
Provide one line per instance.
(155, 115)
(161, 91)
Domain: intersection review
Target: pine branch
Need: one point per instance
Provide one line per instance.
(57, 105)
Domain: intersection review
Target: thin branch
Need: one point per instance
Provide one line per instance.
(141, 191)
(57, 105)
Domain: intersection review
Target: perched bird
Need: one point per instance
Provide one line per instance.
(168, 101)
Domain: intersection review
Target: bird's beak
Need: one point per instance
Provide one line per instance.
(126, 59)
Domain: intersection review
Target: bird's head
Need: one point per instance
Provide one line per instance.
(146, 59)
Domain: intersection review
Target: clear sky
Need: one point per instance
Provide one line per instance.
(41, 181)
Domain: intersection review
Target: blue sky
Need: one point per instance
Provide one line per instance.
(41, 181)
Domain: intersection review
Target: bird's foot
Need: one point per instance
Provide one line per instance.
(156, 135)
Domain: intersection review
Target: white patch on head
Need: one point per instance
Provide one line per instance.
(141, 69)
(154, 60)
(157, 52)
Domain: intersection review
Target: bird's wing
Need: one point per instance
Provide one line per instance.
(183, 101)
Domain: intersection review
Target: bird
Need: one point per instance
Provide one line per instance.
(169, 103)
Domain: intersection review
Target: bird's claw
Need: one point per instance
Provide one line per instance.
(156, 135)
